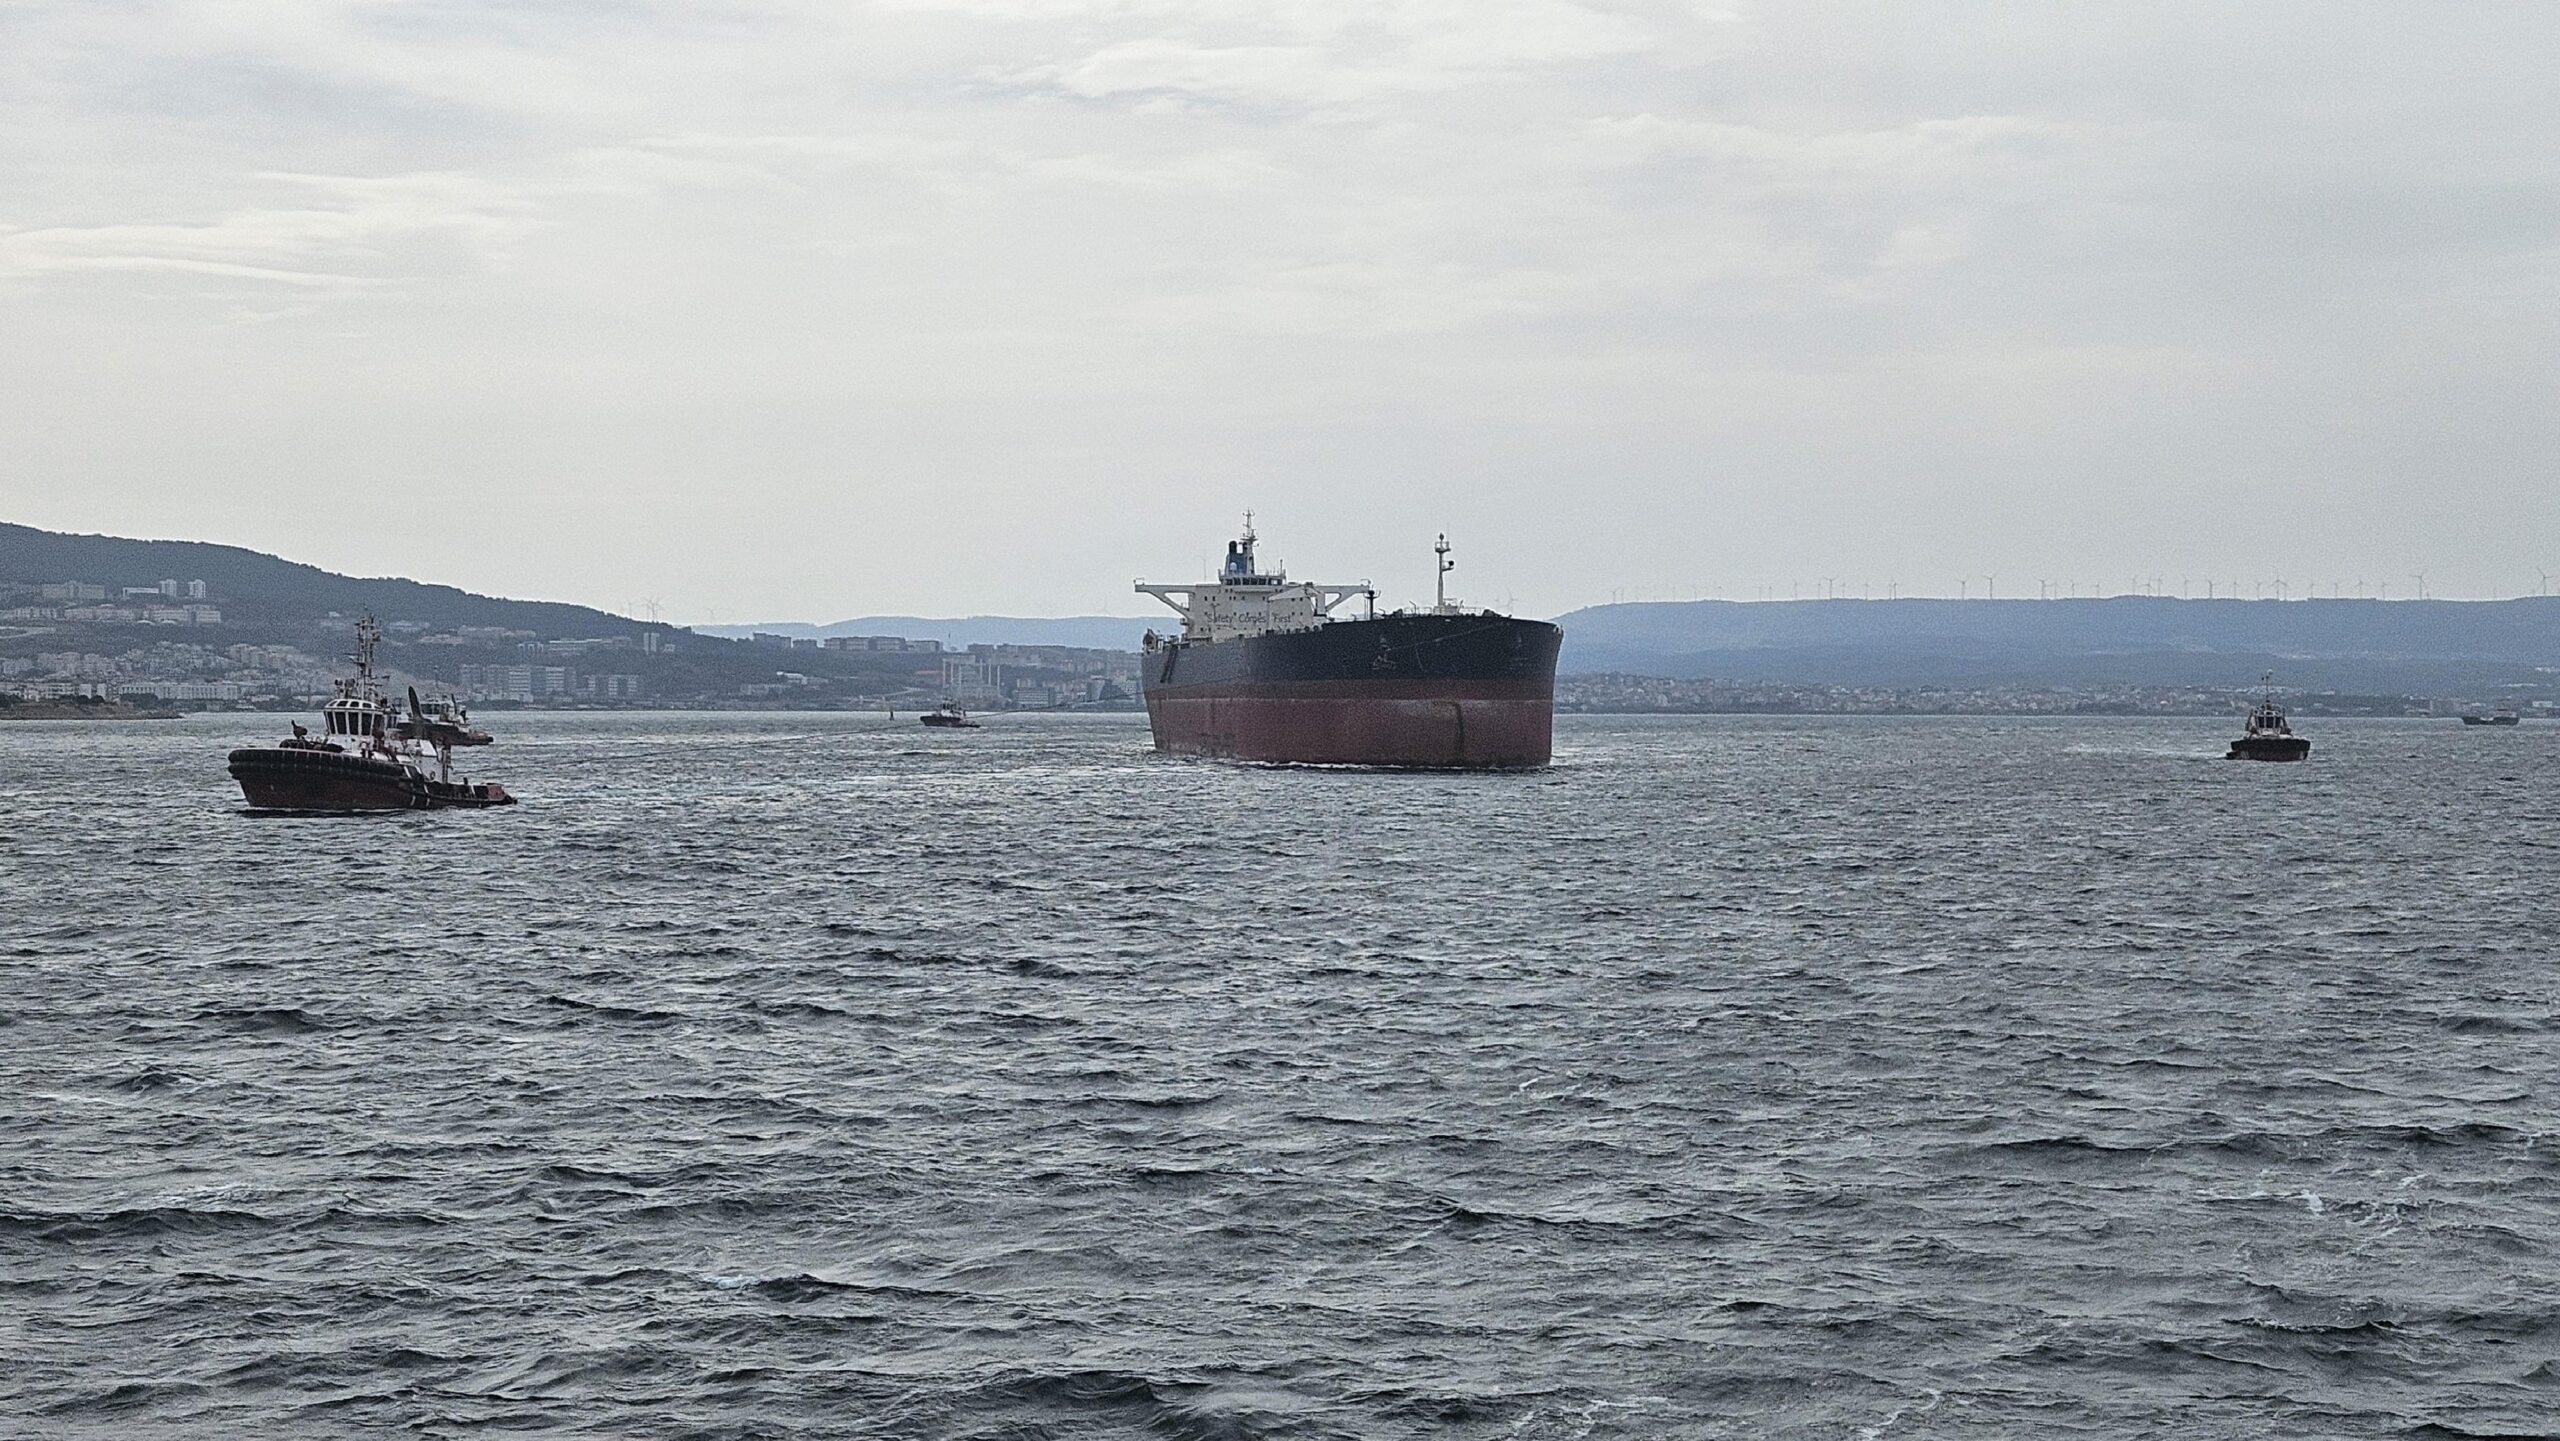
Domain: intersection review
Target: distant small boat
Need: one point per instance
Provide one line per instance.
(949, 716)
(2267, 737)
(2504, 715)
(441, 721)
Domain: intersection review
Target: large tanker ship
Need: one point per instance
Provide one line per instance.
(1264, 671)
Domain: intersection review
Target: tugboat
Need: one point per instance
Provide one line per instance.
(2267, 737)
(949, 716)
(2504, 715)
(442, 721)
(366, 759)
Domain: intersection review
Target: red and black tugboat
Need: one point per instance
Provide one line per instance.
(366, 759)
(1263, 671)
(2267, 737)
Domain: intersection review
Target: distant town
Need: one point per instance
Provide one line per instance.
(168, 643)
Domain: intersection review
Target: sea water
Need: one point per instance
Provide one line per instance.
(822, 1075)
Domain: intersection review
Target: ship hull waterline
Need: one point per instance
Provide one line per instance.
(277, 781)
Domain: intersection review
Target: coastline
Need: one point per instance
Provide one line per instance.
(58, 710)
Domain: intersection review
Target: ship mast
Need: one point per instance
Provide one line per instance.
(1440, 582)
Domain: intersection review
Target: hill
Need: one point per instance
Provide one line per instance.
(435, 631)
(2414, 647)
(2384, 647)
(254, 588)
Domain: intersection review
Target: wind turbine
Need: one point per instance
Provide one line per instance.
(1961, 583)
(2420, 577)
(1991, 587)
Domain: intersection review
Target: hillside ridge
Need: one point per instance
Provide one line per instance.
(2393, 645)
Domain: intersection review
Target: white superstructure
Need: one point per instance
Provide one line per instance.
(356, 715)
(1244, 600)
(357, 718)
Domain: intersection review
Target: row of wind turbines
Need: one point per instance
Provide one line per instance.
(1832, 587)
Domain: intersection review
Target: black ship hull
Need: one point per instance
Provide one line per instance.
(313, 781)
(1441, 692)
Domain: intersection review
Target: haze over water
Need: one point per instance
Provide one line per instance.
(785, 1076)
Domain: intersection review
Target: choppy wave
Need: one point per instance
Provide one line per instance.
(796, 1077)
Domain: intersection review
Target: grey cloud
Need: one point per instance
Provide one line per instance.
(807, 309)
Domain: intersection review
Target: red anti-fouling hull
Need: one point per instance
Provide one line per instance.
(1348, 723)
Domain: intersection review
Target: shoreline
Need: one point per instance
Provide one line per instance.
(55, 710)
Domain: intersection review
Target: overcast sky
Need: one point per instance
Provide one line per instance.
(774, 311)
